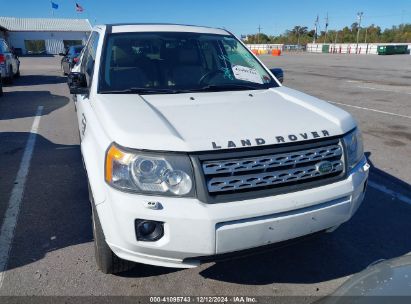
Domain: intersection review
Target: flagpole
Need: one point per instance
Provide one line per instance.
(52, 8)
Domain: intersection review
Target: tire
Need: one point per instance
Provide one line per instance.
(62, 71)
(17, 75)
(106, 260)
(9, 78)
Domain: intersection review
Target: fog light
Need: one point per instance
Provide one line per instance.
(149, 231)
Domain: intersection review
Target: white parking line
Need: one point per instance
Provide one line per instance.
(366, 86)
(384, 189)
(383, 90)
(368, 109)
(12, 212)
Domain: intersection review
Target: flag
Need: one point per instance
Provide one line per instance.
(54, 5)
(79, 8)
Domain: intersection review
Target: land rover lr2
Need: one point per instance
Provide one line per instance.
(194, 149)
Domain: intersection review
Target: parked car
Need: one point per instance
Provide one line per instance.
(193, 149)
(9, 63)
(70, 58)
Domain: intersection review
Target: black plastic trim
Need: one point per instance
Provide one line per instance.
(109, 28)
(103, 55)
(157, 237)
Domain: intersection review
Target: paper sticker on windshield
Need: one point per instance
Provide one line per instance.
(247, 74)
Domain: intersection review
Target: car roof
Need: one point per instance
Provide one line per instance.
(162, 27)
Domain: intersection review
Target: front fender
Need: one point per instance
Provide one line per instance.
(93, 148)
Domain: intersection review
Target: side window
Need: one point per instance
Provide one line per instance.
(238, 55)
(89, 57)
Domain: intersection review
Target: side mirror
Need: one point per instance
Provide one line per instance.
(77, 83)
(278, 73)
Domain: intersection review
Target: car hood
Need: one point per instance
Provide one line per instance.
(218, 120)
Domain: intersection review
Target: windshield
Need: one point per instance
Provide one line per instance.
(177, 62)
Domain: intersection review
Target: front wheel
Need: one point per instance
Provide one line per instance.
(18, 72)
(106, 260)
(9, 78)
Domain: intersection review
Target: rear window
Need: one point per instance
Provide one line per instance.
(78, 49)
(75, 50)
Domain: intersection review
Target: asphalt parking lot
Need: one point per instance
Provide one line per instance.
(52, 248)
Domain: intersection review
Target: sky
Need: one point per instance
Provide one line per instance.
(239, 16)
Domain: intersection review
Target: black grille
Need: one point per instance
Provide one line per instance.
(282, 169)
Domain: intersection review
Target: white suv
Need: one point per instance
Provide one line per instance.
(194, 149)
(9, 63)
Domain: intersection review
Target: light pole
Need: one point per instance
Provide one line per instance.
(335, 42)
(365, 40)
(359, 17)
(315, 31)
(326, 29)
(258, 36)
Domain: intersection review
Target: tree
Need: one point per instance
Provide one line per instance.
(299, 31)
(373, 34)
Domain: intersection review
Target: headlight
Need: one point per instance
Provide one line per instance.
(149, 173)
(354, 147)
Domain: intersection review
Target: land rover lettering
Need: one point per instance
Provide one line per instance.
(277, 140)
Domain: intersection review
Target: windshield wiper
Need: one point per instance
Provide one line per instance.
(207, 88)
(224, 87)
(140, 91)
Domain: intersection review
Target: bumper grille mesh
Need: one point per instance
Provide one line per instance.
(278, 169)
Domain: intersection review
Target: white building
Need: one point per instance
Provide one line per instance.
(348, 48)
(43, 36)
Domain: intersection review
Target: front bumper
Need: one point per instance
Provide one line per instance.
(193, 228)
